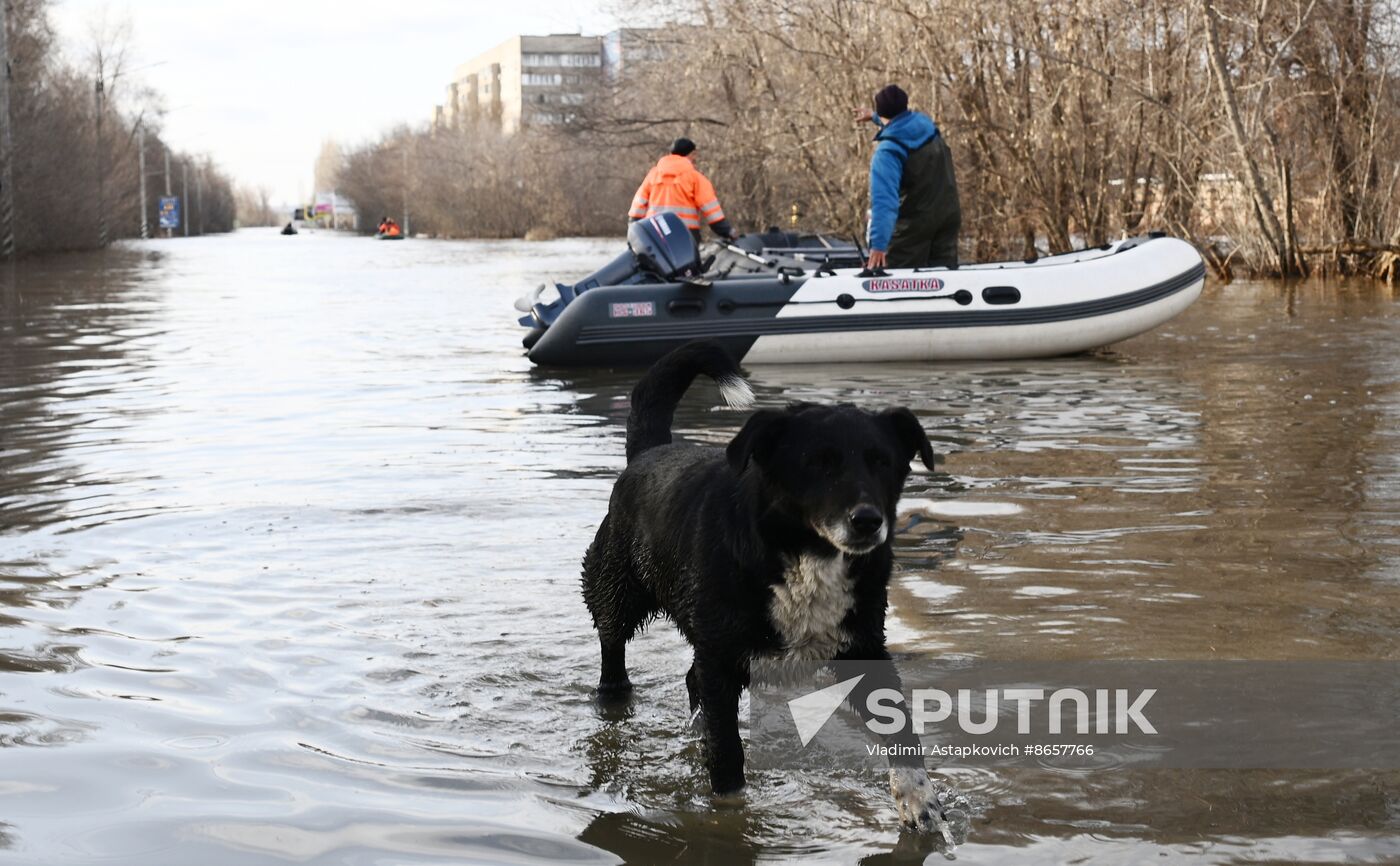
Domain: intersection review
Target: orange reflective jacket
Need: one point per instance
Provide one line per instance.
(675, 186)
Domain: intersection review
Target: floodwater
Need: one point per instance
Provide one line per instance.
(290, 534)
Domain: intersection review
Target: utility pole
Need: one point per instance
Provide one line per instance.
(405, 188)
(169, 233)
(140, 174)
(185, 197)
(199, 194)
(7, 177)
(101, 170)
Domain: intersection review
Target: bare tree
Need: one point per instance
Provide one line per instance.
(253, 207)
(76, 183)
(1265, 131)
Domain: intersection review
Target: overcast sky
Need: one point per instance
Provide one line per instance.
(259, 84)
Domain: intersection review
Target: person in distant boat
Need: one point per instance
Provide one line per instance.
(915, 215)
(390, 228)
(289, 229)
(675, 185)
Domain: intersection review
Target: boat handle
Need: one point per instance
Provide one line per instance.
(686, 306)
(1001, 294)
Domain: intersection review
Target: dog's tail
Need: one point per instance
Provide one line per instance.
(656, 396)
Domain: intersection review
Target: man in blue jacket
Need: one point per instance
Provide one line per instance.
(914, 211)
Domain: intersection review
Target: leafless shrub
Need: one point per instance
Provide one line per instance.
(253, 207)
(1265, 131)
(478, 183)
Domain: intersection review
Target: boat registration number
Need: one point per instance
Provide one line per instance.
(634, 309)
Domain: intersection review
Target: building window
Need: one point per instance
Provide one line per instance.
(581, 59)
(542, 78)
(561, 60)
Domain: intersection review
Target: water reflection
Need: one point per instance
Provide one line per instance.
(290, 537)
(71, 368)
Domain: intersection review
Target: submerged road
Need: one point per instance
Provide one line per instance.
(290, 536)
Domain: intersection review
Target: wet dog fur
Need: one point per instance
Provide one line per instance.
(778, 545)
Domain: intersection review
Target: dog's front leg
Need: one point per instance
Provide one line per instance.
(719, 682)
(922, 803)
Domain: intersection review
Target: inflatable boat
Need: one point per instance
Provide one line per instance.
(821, 309)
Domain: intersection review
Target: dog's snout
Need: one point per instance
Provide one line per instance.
(867, 520)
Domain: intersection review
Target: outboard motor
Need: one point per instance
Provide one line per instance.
(660, 248)
(663, 246)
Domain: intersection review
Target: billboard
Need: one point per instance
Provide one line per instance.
(169, 212)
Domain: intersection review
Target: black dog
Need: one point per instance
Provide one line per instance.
(778, 546)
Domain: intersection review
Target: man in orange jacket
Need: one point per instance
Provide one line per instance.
(675, 186)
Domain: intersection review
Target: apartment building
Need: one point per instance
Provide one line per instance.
(524, 81)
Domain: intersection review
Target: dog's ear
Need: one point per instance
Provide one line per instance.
(757, 439)
(910, 434)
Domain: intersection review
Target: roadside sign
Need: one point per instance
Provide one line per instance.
(169, 212)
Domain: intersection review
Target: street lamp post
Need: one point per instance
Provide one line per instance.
(100, 95)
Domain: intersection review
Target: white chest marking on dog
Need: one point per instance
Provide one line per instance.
(810, 604)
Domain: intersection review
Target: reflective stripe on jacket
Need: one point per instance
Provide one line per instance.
(675, 186)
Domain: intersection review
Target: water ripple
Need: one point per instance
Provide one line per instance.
(290, 540)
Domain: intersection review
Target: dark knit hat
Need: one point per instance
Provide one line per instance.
(891, 101)
(682, 147)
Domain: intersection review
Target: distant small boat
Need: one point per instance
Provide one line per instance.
(383, 237)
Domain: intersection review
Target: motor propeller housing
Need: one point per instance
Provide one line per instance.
(664, 246)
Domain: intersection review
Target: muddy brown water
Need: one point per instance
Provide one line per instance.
(289, 545)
